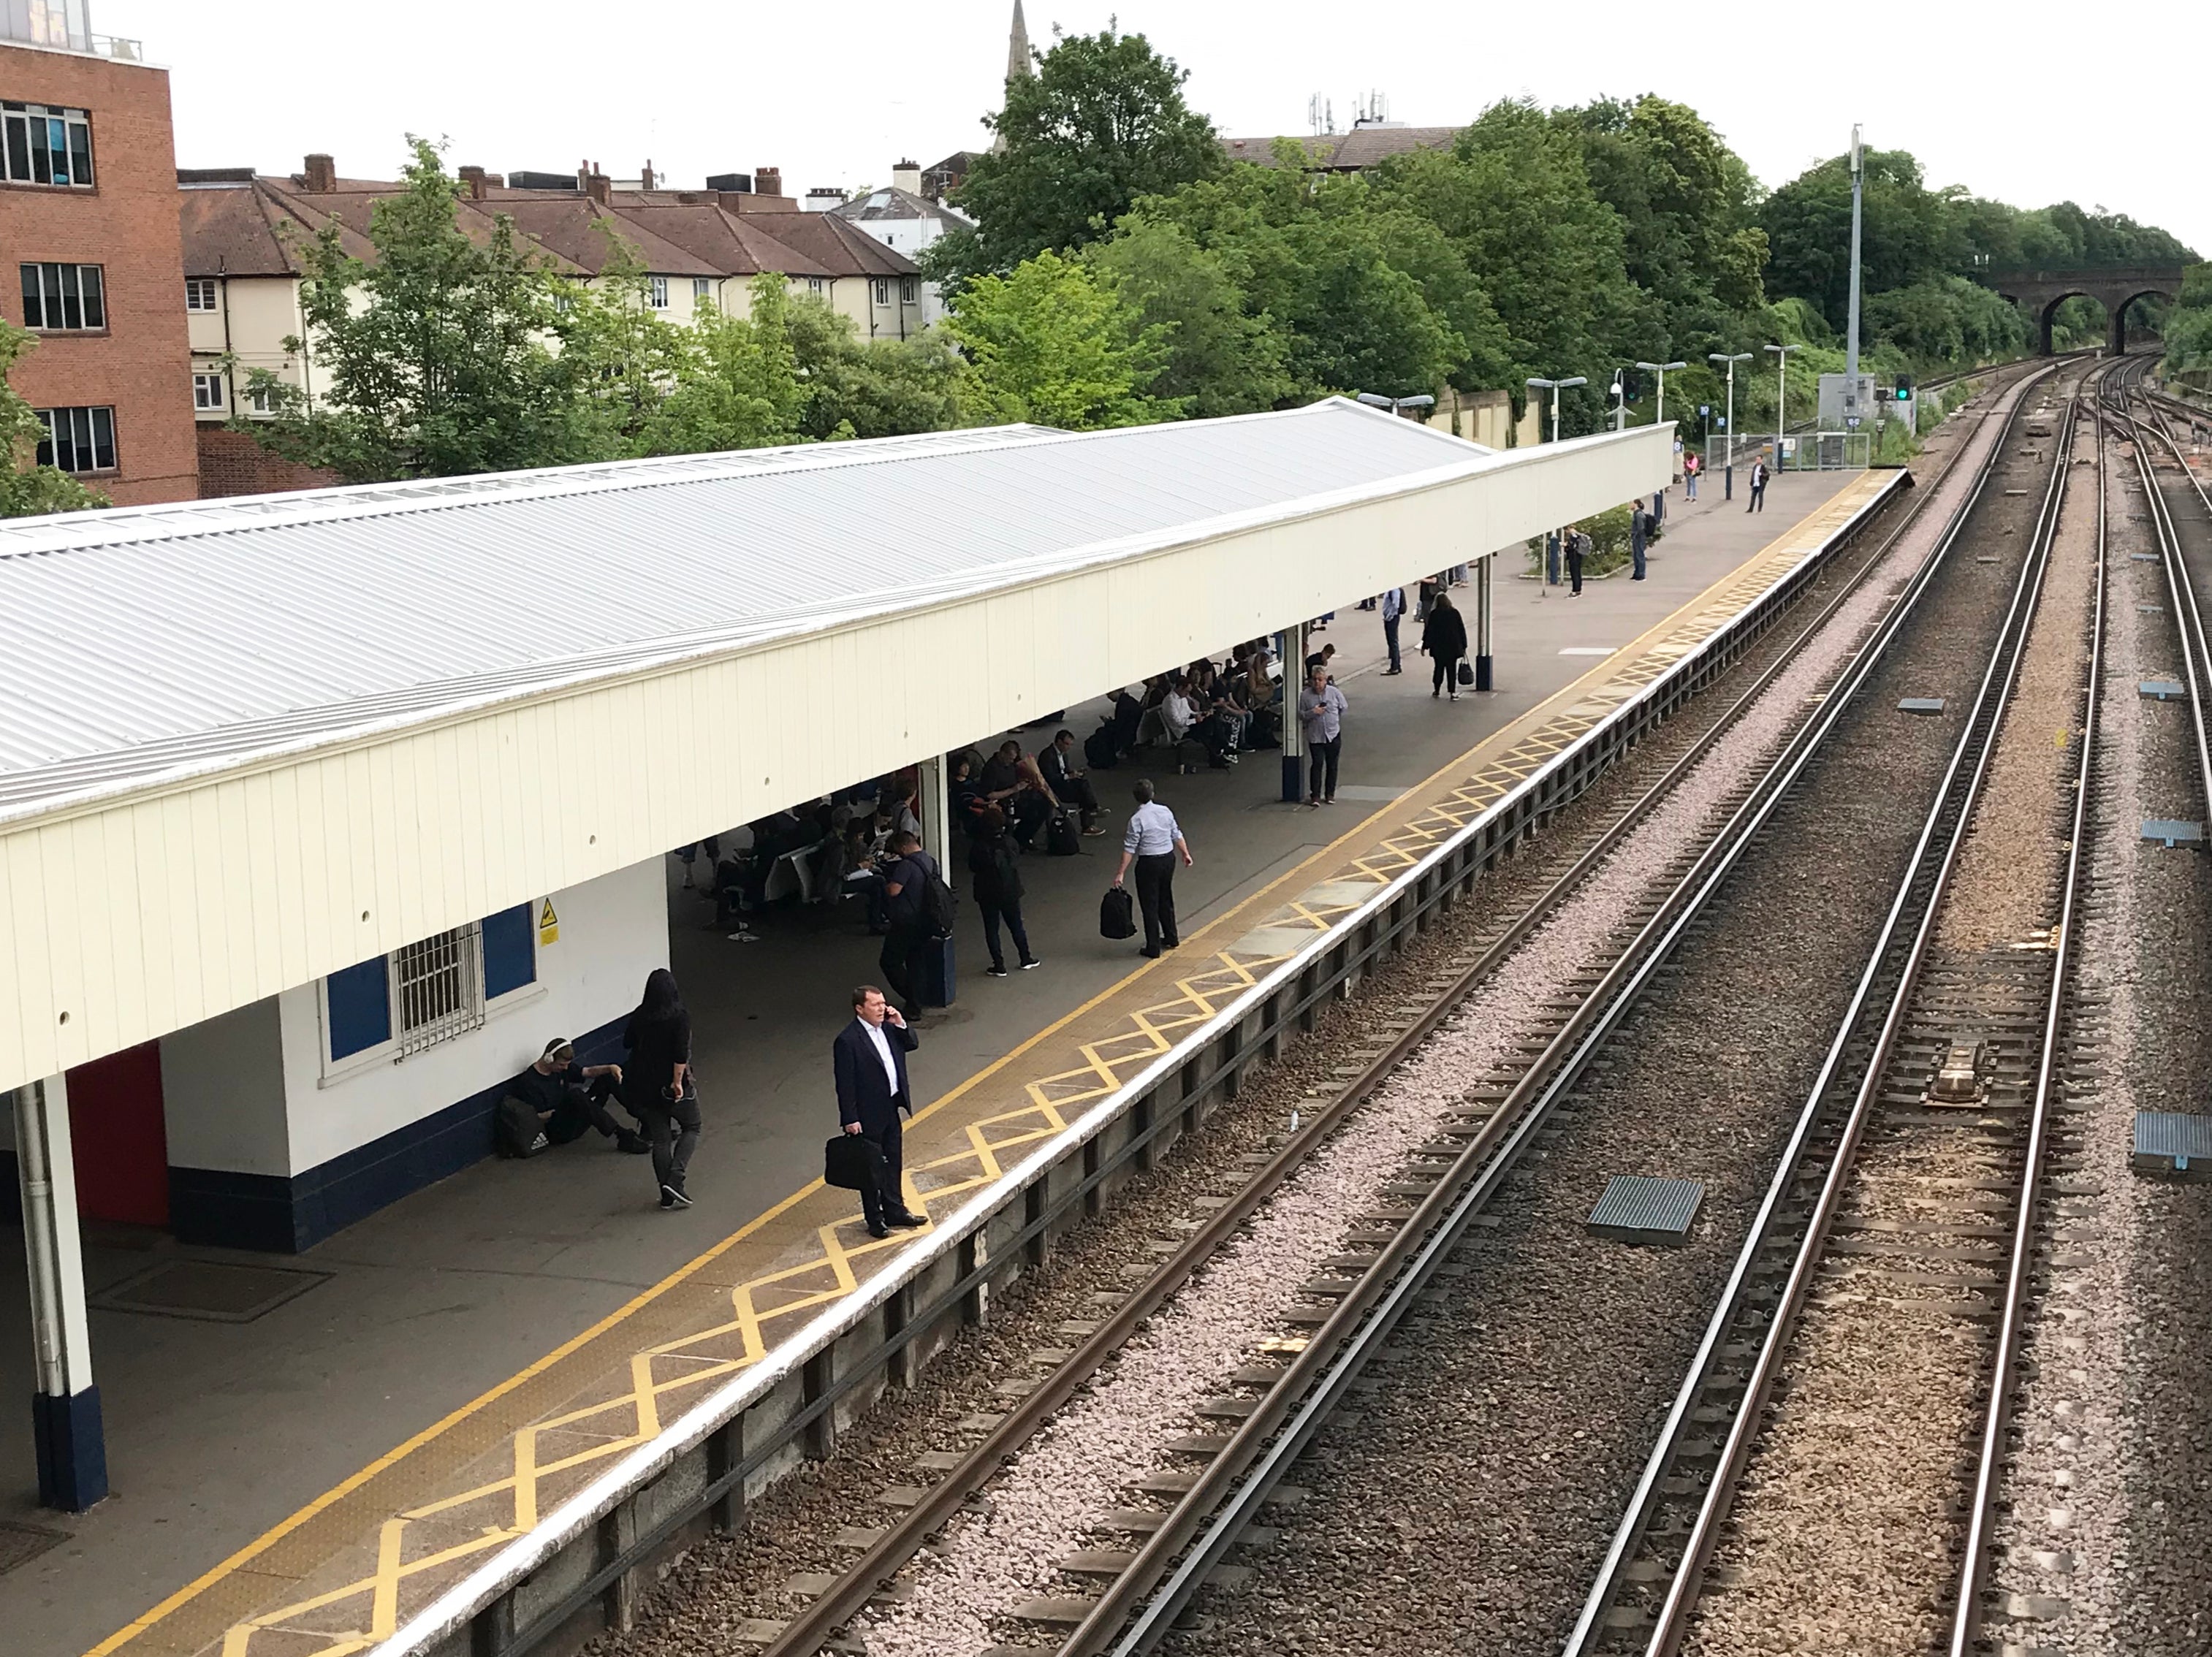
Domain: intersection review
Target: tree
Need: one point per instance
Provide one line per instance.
(1221, 358)
(26, 488)
(437, 354)
(1101, 124)
(619, 357)
(2189, 323)
(875, 387)
(1046, 343)
(740, 387)
(1907, 231)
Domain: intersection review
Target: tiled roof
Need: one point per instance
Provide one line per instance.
(577, 228)
(734, 243)
(892, 202)
(839, 247)
(1346, 152)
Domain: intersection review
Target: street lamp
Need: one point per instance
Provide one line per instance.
(1554, 387)
(1728, 425)
(1374, 400)
(1661, 368)
(1781, 394)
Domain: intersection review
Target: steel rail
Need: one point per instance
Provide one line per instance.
(1222, 1499)
(1981, 1525)
(2181, 586)
(1954, 800)
(810, 1629)
(1588, 1629)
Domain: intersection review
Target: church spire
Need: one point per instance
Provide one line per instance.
(1018, 47)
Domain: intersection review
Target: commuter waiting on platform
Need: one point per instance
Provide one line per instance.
(1321, 707)
(1444, 635)
(1070, 784)
(904, 889)
(994, 877)
(868, 1061)
(561, 1100)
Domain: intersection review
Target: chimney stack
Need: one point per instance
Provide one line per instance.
(906, 176)
(596, 185)
(646, 177)
(321, 175)
(473, 183)
(767, 181)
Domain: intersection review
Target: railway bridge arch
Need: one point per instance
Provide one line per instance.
(2042, 291)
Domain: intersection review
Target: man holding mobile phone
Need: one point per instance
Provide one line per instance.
(869, 1059)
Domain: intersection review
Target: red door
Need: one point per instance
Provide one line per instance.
(119, 1140)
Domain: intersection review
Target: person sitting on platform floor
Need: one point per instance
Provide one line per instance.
(566, 1098)
(1070, 784)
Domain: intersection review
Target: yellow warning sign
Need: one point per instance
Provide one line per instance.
(548, 925)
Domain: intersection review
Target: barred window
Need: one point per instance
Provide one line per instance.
(77, 440)
(439, 985)
(58, 297)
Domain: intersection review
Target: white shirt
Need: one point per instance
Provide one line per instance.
(1153, 831)
(883, 1051)
(1177, 714)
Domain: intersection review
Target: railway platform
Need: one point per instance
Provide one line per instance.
(295, 1478)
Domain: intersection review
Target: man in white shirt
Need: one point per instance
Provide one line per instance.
(869, 1061)
(1154, 843)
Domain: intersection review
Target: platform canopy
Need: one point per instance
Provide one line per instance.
(248, 741)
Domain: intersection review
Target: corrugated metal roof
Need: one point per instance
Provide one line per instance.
(148, 639)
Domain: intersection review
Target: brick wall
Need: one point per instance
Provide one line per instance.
(232, 463)
(127, 223)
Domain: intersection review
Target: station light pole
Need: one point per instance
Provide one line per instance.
(1661, 370)
(1727, 424)
(1554, 387)
(1781, 394)
(1376, 400)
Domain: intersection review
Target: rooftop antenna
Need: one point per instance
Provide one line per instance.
(1321, 115)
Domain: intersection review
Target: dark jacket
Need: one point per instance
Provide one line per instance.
(997, 876)
(656, 1046)
(863, 1095)
(1444, 633)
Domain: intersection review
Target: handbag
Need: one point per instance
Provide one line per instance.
(1117, 914)
(853, 1161)
(1466, 673)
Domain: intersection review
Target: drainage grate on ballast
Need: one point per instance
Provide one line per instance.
(1641, 1210)
(216, 1292)
(20, 1543)
(2173, 1142)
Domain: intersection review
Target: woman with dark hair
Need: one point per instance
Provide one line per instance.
(997, 876)
(657, 1084)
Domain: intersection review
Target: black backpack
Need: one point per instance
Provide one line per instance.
(515, 1129)
(1098, 748)
(939, 906)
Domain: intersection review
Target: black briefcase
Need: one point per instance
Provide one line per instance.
(852, 1162)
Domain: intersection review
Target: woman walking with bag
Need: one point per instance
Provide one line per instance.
(997, 883)
(657, 1084)
(1444, 635)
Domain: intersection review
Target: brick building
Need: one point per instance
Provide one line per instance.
(87, 213)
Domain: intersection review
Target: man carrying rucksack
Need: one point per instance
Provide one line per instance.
(916, 899)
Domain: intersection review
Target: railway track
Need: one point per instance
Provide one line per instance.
(1398, 1249)
(1838, 1415)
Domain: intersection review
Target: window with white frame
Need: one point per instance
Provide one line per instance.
(882, 291)
(40, 145)
(77, 440)
(701, 287)
(656, 292)
(261, 400)
(402, 1004)
(910, 289)
(207, 391)
(814, 284)
(199, 294)
(63, 298)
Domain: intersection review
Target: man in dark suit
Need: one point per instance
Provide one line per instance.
(869, 1057)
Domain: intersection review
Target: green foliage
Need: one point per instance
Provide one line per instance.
(740, 388)
(876, 387)
(619, 358)
(1046, 343)
(1101, 124)
(26, 488)
(2189, 323)
(437, 354)
(1907, 235)
(1220, 358)
(1947, 320)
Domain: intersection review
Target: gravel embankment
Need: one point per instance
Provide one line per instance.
(1843, 1519)
(2110, 1492)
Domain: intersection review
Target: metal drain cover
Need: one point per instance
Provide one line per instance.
(2171, 1142)
(1640, 1210)
(2172, 831)
(21, 1543)
(216, 1291)
(1921, 705)
(2162, 689)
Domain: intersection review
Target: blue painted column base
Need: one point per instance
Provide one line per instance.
(1294, 778)
(1482, 673)
(72, 1450)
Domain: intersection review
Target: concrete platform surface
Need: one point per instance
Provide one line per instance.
(476, 1350)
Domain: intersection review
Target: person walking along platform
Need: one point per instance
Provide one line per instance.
(1393, 612)
(1758, 486)
(1322, 708)
(1444, 635)
(657, 1085)
(1154, 843)
(996, 878)
(868, 1059)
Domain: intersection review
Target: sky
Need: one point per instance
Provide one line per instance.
(835, 97)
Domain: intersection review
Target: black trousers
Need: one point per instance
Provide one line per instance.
(1324, 764)
(1390, 638)
(1757, 498)
(1574, 569)
(896, 962)
(673, 1127)
(1009, 911)
(1444, 673)
(1078, 793)
(890, 1198)
(581, 1108)
(1156, 898)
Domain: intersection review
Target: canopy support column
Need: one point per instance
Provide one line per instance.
(1483, 567)
(1294, 731)
(72, 1449)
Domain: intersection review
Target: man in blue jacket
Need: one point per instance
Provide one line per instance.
(869, 1058)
